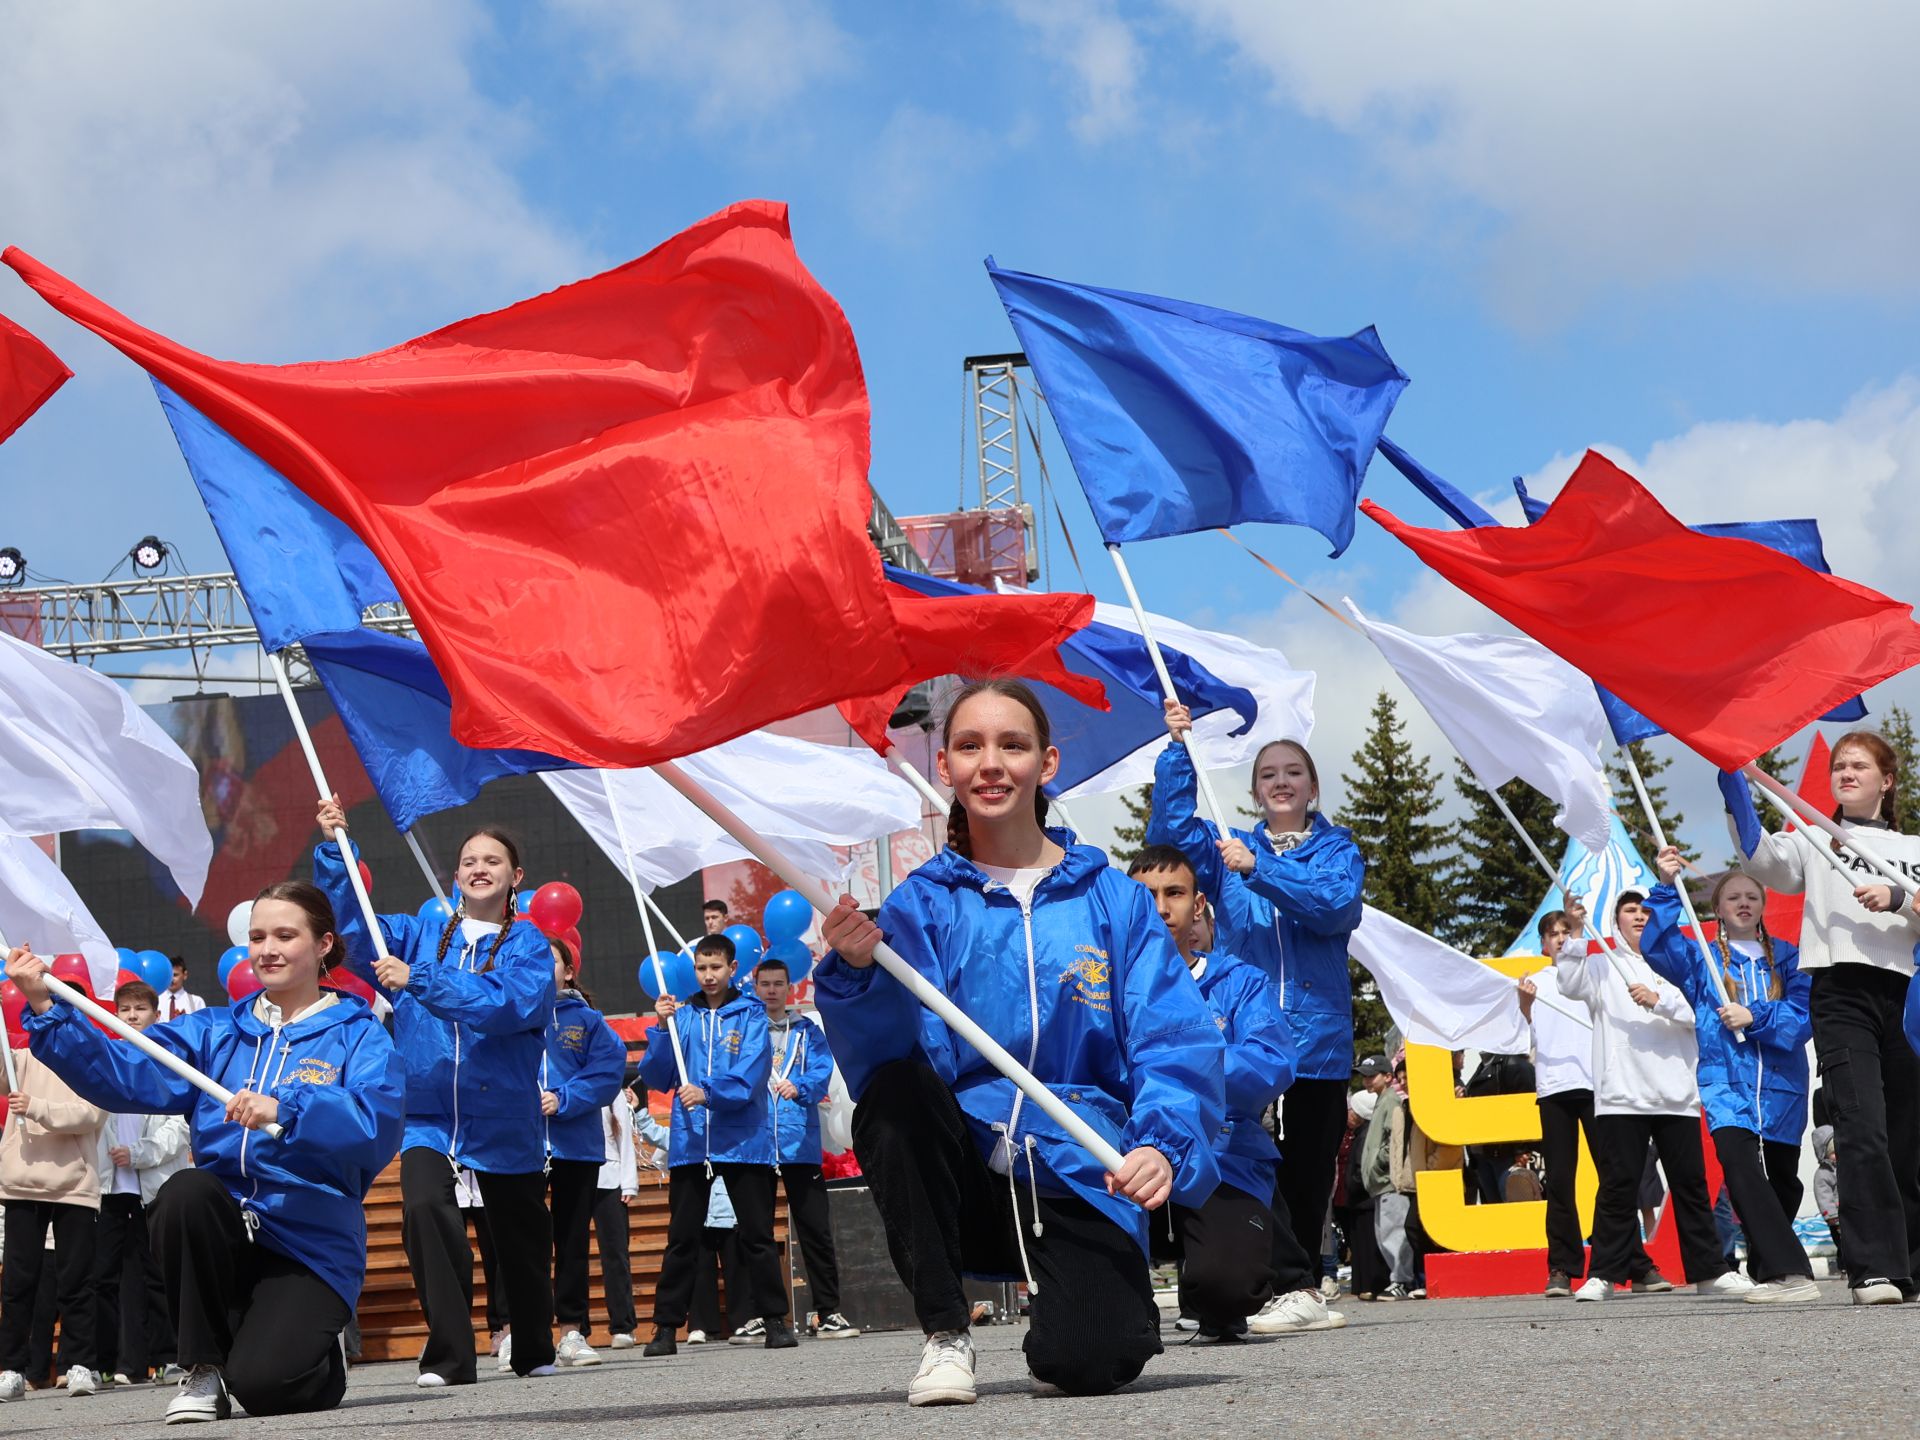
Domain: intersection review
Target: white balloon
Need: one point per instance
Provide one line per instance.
(239, 921)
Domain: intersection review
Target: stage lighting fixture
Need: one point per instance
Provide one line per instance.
(13, 567)
(150, 553)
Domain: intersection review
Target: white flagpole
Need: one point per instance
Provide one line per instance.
(1812, 816)
(1207, 798)
(1680, 885)
(326, 793)
(420, 856)
(1798, 827)
(919, 782)
(646, 919)
(991, 1050)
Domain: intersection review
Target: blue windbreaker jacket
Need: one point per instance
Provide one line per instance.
(809, 1065)
(1259, 1066)
(1762, 1085)
(472, 1041)
(1124, 1036)
(584, 1065)
(338, 1083)
(1290, 919)
(729, 1058)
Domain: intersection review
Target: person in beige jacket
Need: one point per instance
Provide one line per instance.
(49, 1178)
(1411, 1151)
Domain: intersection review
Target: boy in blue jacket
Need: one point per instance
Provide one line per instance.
(719, 1129)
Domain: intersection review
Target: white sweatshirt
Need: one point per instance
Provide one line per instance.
(1836, 930)
(1562, 1049)
(621, 1170)
(1643, 1060)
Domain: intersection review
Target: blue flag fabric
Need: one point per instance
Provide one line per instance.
(1458, 506)
(302, 570)
(1737, 791)
(1091, 740)
(1180, 417)
(399, 716)
(1798, 538)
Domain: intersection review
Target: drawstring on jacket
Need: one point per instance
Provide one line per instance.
(794, 1041)
(707, 1018)
(249, 1217)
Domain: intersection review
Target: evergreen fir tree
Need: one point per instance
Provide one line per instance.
(1898, 730)
(1498, 883)
(1776, 765)
(1391, 801)
(1131, 838)
(1627, 802)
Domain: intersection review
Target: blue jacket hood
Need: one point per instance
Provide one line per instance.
(729, 1058)
(584, 1064)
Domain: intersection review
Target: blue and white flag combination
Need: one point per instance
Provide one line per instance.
(1597, 880)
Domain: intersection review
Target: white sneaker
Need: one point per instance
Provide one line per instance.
(429, 1380)
(946, 1371)
(573, 1350)
(1731, 1283)
(696, 1337)
(1183, 1323)
(505, 1367)
(1296, 1312)
(1329, 1287)
(496, 1340)
(623, 1341)
(203, 1396)
(13, 1385)
(1594, 1289)
(81, 1381)
(542, 1371)
(1783, 1291)
(1877, 1292)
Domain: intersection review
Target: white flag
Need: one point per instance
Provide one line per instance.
(39, 908)
(1436, 995)
(1284, 695)
(1515, 711)
(77, 754)
(804, 798)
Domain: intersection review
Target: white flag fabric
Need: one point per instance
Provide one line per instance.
(802, 797)
(1436, 995)
(1284, 695)
(39, 908)
(77, 754)
(1515, 711)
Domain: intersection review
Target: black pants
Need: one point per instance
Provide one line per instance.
(1619, 1150)
(1370, 1275)
(1773, 1250)
(572, 1184)
(809, 1213)
(1094, 1325)
(476, 1216)
(122, 1261)
(616, 1266)
(1295, 1266)
(1225, 1250)
(435, 1237)
(270, 1324)
(20, 1265)
(1313, 1116)
(717, 1254)
(750, 1188)
(1872, 1082)
(1562, 1116)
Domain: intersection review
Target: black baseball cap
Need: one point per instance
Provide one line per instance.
(1373, 1065)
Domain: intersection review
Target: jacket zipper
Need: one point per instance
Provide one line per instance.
(1033, 1017)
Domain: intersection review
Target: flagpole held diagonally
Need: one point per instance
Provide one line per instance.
(433, 880)
(1811, 816)
(646, 919)
(1798, 826)
(911, 773)
(991, 1050)
(1680, 888)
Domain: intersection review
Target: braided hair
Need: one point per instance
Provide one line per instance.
(1776, 987)
(959, 838)
(505, 841)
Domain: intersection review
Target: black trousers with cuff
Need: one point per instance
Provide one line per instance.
(121, 1261)
(610, 1225)
(572, 1185)
(750, 1188)
(1313, 1118)
(1093, 1325)
(1620, 1151)
(1225, 1250)
(21, 1262)
(271, 1324)
(808, 1209)
(1773, 1250)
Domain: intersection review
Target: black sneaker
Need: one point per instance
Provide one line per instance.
(1652, 1283)
(1558, 1285)
(836, 1327)
(779, 1337)
(660, 1344)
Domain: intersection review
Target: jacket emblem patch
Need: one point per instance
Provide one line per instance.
(314, 1072)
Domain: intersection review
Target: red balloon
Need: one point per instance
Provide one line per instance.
(556, 908)
(74, 970)
(242, 982)
(344, 980)
(572, 941)
(14, 1004)
(125, 977)
(366, 877)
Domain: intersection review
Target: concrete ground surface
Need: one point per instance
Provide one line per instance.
(1654, 1365)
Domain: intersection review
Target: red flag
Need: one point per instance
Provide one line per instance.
(1784, 912)
(1725, 644)
(29, 374)
(628, 516)
(979, 637)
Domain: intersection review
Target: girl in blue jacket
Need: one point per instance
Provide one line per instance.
(1063, 960)
(1286, 897)
(580, 1073)
(263, 1245)
(471, 1001)
(1755, 1093)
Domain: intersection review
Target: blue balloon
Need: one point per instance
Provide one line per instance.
(795, 955)
(129, 959)
(154, 968)
(787, 916)
(435, 913)
(681, 981)
(746, 945)
(228, 959)
(523, 902)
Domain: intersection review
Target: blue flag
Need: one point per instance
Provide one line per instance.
(1737, 791)
(1458, 506)
(1091, 740)
(400, 718)
(302, 570)
(1180, 417)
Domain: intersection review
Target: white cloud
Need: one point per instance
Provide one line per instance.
(1102, 55)
(909, 178)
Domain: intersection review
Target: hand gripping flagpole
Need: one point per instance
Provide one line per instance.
(1811, 816)
(923, 990)
(646, 920)
(1797, 826)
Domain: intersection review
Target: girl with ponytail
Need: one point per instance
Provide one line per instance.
(1755, 1093)
(1064, 961)
(471, 998)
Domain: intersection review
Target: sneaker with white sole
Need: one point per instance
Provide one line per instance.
(1395, 1291)
(1295, 1313)
(696, 1337)
(946, 1371)
(1652, 1283)
(540, 1372)
(1186, 1323)
(203, 1396)
(751, 1333)
(1732, 1282)
(81, 1381)
(1877, 1292)
(496, 1340)
(429, 1380)
(573, 1350)
(1594, 1289)
(13, 1386)
(622, 1340)
(505, 1352)
(170, 1374)
(1559, 1285)
(836, 1327)
(1785, 1291)
(1329, 1288)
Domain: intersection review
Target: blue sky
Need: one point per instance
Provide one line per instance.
(1685, 237)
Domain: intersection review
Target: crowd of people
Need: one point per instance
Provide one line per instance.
(1195, 1010)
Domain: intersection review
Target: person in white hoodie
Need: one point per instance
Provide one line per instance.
(1644, 1058)
(617, 1187)
(1857, 942)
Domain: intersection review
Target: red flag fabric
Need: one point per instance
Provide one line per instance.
(1727, 645)
(628, 516)
(1785, 912)
(29, 374)
(979, 637)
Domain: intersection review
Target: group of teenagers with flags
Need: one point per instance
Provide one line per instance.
(1058, 1069)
